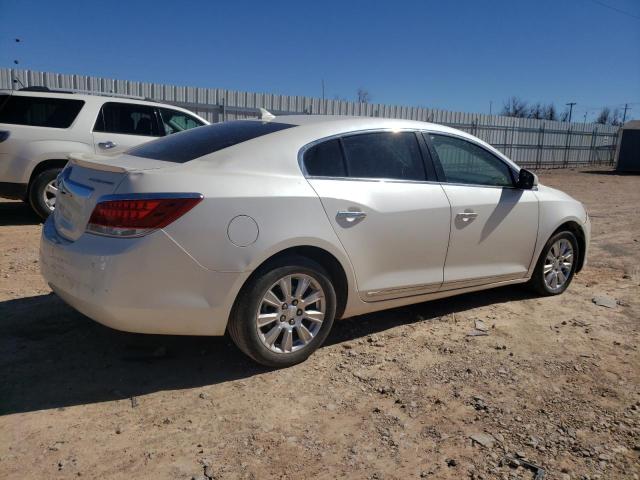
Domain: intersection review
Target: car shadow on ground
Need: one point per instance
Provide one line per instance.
(17, 213)
(53, 357)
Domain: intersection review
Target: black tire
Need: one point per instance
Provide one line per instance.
(242, 322)
(537, 281)
(36, 191)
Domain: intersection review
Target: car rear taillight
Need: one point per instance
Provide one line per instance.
(139, 215)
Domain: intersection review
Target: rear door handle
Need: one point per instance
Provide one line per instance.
(107, 145)
(350, 215)
(466, 216)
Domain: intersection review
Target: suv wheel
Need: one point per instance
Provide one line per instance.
(284, 313)
(556, 265)
(43, 192)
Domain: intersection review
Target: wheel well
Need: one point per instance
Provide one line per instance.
(321, 257)
(45, 165)
(576, 229)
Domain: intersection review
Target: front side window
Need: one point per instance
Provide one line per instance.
(127, 118)
(39, 111)
(174, 121)
(464, 162)
(392, 155)
(325, 160)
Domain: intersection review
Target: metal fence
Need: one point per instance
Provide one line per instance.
(529, 142)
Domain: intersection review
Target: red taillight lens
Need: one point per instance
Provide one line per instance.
(134, 217)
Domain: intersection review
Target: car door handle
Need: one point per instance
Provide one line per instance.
(350, 215)
(466, 216)
(107, 145)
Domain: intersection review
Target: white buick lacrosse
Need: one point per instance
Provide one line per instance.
(273, 228)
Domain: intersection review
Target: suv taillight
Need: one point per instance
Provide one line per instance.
(135, 217)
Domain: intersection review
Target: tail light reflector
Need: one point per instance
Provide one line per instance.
(135, 217)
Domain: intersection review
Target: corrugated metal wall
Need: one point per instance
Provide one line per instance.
(529, 142)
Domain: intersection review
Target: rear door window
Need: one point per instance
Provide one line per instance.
(128, 119)
(174, 121)
(197, 142)
(39, 111)
(391, 155)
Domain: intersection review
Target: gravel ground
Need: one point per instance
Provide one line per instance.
(405, 393)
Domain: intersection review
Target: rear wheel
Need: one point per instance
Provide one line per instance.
(43, 192)
(556, 265)
(284, 313)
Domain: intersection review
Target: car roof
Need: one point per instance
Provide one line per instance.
(354, 123)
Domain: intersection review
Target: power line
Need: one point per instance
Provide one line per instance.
(623, 12)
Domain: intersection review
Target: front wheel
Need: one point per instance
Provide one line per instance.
(557, 265)
(43, 192)
(284, 313)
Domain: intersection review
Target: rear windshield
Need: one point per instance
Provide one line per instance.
(39, 111)
(184, 146)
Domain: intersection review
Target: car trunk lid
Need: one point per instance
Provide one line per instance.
(85, 180)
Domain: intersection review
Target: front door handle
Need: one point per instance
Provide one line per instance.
(350, 215)
(107, 145)
(466, 216)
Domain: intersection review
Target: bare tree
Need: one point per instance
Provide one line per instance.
(363, 95)
(604, 117)
(514, 107)
(549, 112)
(564, 116)
(536, 111)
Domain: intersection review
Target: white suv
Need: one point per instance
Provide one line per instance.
(40, 127)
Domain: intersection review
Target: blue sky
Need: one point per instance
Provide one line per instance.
(455, 55)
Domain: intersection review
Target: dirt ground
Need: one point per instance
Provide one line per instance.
(394, 395)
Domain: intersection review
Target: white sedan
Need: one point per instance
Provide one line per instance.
(273, 228)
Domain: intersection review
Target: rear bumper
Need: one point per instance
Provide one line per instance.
(143, 285)
(14, 191)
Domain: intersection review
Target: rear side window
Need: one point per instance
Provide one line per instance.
(325, 160)
(174, 121)
(127, 118)
(39, 111)
(393, 155)
(191, 144)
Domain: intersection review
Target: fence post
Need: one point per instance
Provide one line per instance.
(614, 147)
(540, 143)
(567, 145)
(592, 146)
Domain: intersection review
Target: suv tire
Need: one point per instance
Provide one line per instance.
(41, 198)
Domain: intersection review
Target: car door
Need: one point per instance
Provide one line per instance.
(392, 222)
(494, 224)
(121, 125)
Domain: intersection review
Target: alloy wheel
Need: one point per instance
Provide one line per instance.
(50, 193)
(291, 313)
(558, 264)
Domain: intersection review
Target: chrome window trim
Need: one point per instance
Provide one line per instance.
(307, 146)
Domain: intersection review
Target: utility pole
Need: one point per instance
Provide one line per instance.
(624, 115)
(490, 106)
(570, 105)
(322, 80)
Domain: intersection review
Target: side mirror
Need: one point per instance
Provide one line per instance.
(527, 180)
